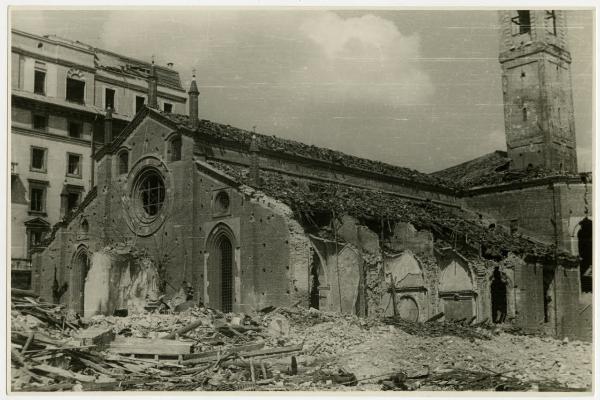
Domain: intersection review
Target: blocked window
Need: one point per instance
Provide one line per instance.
(168, 107)
(37, 198)
(123, 162)
(109, 99)
(39, 82)
(75, 129)
(222, 202)
(175, 149)
(521, 22)
(75, 90)
(40, 122)
(38, 159)
(74, 164)
(139, 103)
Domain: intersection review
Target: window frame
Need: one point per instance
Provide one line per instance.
(72, 122)
(80, 165)
(35, 115)
(171, 148)
(165, 103)
(119, 161)
(43, 187)
(114, 99)
(135, 97)
(550, 15)
(37, 70)
(44, 168)
(67, 90)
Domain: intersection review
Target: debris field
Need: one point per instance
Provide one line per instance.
(280, 349)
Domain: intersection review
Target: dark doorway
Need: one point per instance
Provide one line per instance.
(80, 270)
(314, 280)
(226, 258)
(548, 280)
(585, 243)
(499, 301)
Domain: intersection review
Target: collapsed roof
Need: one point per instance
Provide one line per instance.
(304, 195)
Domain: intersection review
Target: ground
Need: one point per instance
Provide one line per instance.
(289, 348)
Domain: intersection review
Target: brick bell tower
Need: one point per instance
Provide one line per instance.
(536, 84)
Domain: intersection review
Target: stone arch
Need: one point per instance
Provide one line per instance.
(456, 291)
(408, 297)
(220, 281)
(80, 265)
(406, 270)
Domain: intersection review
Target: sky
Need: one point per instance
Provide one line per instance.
(415, 88)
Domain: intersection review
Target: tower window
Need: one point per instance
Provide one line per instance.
(521, 22)
(550, 22)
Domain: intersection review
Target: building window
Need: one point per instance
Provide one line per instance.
(74, 165)
(139, 103)
(40, 122)
(109, 99)
(75, 90)
(168, 107)
(123, 162)
(221, 202)
(75, 129)
(550, 21)
(521, 22)
(39, 82)
(73, 199)
(37, 198)
(38, 159)
(35, 237)
(524, 111)
(175, 149)
(150, 193)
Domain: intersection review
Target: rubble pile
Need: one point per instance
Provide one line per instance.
(445, 222)
(286, 348)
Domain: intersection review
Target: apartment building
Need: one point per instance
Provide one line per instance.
(60, 91)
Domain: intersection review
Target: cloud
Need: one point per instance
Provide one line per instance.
(364, 59)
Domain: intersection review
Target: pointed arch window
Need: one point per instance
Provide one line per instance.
(123, 162)
(175, 149)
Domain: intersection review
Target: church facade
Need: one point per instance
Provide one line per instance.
(249, 221)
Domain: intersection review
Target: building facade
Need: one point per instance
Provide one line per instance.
(59, 91)
(250, 221)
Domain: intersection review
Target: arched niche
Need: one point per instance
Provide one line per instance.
(405, 270)
(80, 265)
(456, 292)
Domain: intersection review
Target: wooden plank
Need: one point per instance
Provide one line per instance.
(234, 349)
(66, 374)
(246, 354)
(150, 346)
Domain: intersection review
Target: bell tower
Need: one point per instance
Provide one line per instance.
(536, 85)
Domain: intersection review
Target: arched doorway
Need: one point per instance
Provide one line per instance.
(498, 292)
(221, 271)
(79, 271)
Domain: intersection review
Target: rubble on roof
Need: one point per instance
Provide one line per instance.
(445, 222)
(493, 169)
(291, 147)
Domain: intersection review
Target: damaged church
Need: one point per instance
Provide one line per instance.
(247, 221)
